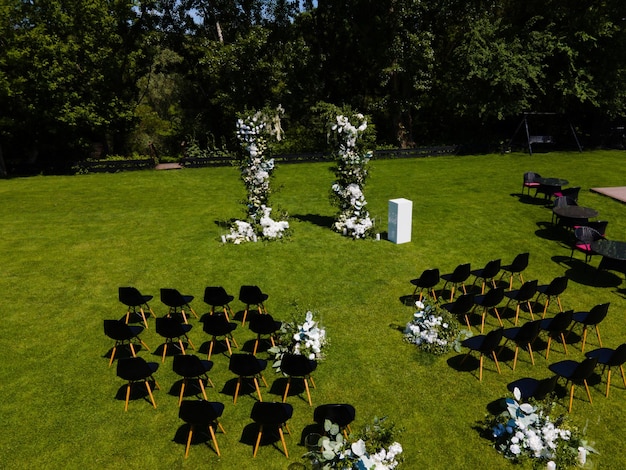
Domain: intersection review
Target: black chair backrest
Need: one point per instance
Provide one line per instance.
(200, 412)
(251, 295)
(587, 234)
(493, 297)
(461, 272)
(341, 414)
(557, 286)
(130, 296)
(188, 365)
(619, 356)
(216, 324)
(528, 289)
(584, 369)
(172, 298)
(463, 304)
(216, 295)
(599, 225)
(263, 323)
(571, 192)
(531, 177)
(245, 364)
(492, 340)
(520, 262)
(561, 321)
(296, 365)
(597, 313)
(133, 368)
(118, 330)
(528, 332)
(491, 269)
(429, 277)
(169, 327)
(545, 387)
(271, 413)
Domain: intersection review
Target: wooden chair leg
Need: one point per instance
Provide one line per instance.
(237, 391)
(608, 382)
(495, 310)
(564, 343)
(202, 388)
(495, 359)
(515, 357)
(217, 448)
(258, 440)
(548, 347)
(164, 352)
(286, 390)
(282, 438)
(480, 369)
(308, 392)
(598, 335)
(258, 390)
(190, 343)
(588, 392)
(530, 351)
(182, 392)
(188, 441)
(571, 398)
(112, 355)
(150, 393)
(127, 396)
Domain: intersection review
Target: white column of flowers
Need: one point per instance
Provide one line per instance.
(353, 219)
(256, 171)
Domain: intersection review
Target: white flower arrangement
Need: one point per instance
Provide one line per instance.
(434, 329)
(256, 172)
(353, 219)
(306, 338)
(526, 431)
(374, 449)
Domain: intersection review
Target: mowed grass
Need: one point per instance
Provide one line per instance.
(68, 243)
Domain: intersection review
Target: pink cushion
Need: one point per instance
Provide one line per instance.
(584, 247)
(531, 184)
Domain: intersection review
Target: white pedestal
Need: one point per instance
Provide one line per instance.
(399, 221)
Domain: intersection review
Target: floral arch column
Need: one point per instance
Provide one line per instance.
(353, 219)
(256, 170)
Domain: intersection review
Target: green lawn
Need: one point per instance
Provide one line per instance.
(68, 243)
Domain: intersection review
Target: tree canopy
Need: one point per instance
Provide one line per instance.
(81, 78)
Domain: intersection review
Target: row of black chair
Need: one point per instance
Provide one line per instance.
(557, 327)
(203, 415)
(191, 368)
(179, 304)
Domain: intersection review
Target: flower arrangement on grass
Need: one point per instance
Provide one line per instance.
(434, 329)
(256, 171)
(373, 448)
(353, 219)
(296, 337)
(526, 431)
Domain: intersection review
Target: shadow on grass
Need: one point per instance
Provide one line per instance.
(219, 347)
(199, 436)
(138, 391)
(530, 200)
(552, 232)
(315, 219)
(269, 437)
(582, 273)
(192, 388)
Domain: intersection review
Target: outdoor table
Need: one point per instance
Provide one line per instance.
(548, 186)
(613, 254)
(574, 215)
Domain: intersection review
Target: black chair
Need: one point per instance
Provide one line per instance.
(177, 303)
(246, 366)
(341, 414)
(218, 326)
(191, 367)
(456, 278)
(123, 335)
(523, 336)
(553, 290)
(561, 201)
(136, 370)
(487, 273)
(484, 345)
(461, 307)
(599, 225)
(556, 328)
(489, 301)
(517, 266)
(133, 299)
(299, 367)
(263, 324)
(523, 295)
(590, 319)
(530, 387)
(252, 295)
(427, 280)
(216, 296)
(585, 236)
(608, 358)
(173, 331)
(571, 192)
(201, 415)
(272, 416)
(530, 182)
(575, 373)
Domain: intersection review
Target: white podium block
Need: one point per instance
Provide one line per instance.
(400, 220)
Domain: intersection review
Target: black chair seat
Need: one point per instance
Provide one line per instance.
(530, 387)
